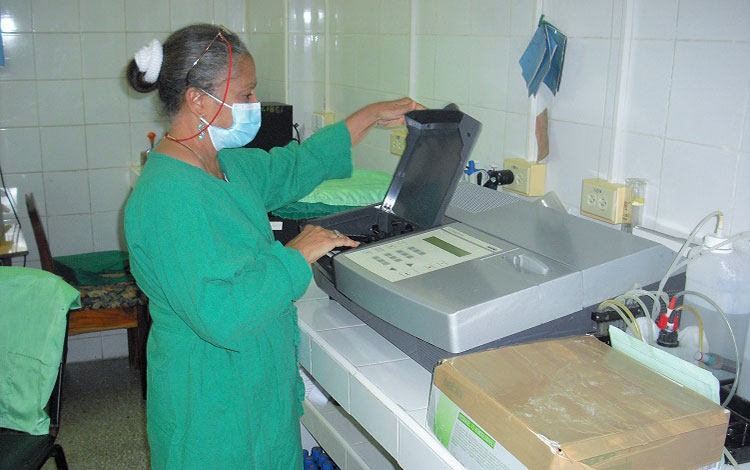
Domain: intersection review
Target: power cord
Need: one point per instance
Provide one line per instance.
(296, 129)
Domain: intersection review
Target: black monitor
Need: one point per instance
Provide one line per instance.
(437, 149)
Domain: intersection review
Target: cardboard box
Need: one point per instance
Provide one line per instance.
(570, 403)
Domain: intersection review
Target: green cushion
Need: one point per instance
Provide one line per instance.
(99, 268)
(362, 189)
(303, 210)
(33, 316)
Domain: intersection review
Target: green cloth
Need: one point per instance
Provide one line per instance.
(333, 196)
(365, 187)
(224, 390)
(33, 317)
(93, 269)
(304, 210)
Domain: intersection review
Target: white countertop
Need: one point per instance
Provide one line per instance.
(379, 388)
(383, 389)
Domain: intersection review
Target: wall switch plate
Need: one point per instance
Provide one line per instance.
(398, 141)
(603, 200)
(321, 119)
(529, 178)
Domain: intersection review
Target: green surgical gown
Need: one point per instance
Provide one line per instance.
(224, 390)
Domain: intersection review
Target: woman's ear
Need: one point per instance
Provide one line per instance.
(195, 100)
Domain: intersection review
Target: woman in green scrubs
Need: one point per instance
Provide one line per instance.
(223, 385)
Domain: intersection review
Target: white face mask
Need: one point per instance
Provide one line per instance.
(246, 119)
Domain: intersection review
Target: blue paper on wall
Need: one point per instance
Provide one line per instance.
(543, 59)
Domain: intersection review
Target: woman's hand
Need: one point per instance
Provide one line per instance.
(391, 113)
(314, 242)
(384, 113)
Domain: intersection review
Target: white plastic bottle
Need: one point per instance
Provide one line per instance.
(724, 276)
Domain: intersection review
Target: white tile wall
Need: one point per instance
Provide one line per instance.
(268, 52)
(70, 234)
(19, 57)
(573, 157)
(681, 204)
(488, 148)
(582, 93)
(265, 16)
(642, 155)
(110, 189)
(367, 62)
(655, 19)
(103, 55)
(393, 64)
(231, 14)
(105, 101)
(60, 102)
(107, 146)
(451, 18)
(20, 150)
(16, 16)
(307, 57)
(721, 20)
(451, 63)
(108, 231)
(740, 222)
(114, 344)
(185, 12)
(709, 70)
(307, 16)
(649, 84)
(395, 16)
(581, 18)
(354, 16)
(745, 146)
(516, 130)
(67, 192)
(84, 349)
(490, 17)
(19, 104)
(58, 56)
(102, 15)
(55, 15)
(343, 60)
(28, 183)
(57, 156)
(146, 15)
(489, 63)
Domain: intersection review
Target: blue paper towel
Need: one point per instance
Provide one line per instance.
(543, 59)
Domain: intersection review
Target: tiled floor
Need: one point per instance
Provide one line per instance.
(103, 422)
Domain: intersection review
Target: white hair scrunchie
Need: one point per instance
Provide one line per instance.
(149, 59)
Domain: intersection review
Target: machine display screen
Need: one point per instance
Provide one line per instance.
(444, 245)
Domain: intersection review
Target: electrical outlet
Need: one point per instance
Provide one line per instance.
(398, 141)
(528, 177)
(321, 119)
(603, 200)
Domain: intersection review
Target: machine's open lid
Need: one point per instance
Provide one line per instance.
(437, 149)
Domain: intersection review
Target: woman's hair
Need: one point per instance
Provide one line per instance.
(181, 50)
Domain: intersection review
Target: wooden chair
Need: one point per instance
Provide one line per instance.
(105, 307)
